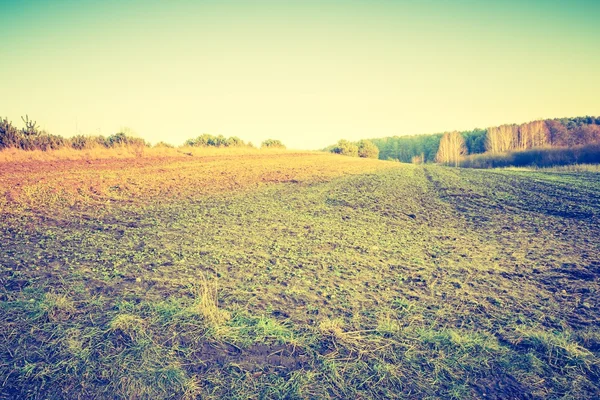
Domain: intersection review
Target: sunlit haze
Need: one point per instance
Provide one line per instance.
(308, 73)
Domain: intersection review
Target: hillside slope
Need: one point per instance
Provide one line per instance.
(404, 281)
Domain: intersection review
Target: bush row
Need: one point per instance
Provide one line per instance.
(541, 157)
(362, 148)
(32, 138)
(207, 140)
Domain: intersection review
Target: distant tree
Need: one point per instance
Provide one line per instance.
(345, 148)
(234, 141)
(585, 134)
(475, 140)
(218, 141)
(502, 138)
(31, 128)
(533, 134)
(452, 148)
(207, 140)
(272, 144)
(201, 141)
(559, 135)
(571, 124)
(367, 149)
(404, 148)
(499, 139)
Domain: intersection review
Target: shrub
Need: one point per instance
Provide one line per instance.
(367, 149)
(190, 143)
(272, 144)
(487, 160)
(121, 139)
(206, 140)
(345, 148)
(164, 145)
(416, 159)
(44, 142)
(118, 139)
(545, 157)
(80, 142)
(234, 141)
(9, 134)
(202, 141)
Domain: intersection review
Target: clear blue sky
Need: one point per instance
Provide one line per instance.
(306, 72)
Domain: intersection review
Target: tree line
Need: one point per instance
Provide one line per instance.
(32, 137)
(449, 147)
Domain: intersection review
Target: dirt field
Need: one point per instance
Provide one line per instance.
(297, 275)
(42, 186)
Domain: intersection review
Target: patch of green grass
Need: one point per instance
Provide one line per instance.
(270, 329)
(555, 346)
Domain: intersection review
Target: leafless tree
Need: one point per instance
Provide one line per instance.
(502, 138)
(452, 148)
(533, 134)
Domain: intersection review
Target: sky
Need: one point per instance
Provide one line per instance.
(305, 72)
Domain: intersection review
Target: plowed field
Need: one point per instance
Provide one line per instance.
(297, 275)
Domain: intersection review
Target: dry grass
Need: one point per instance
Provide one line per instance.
(574, 168)
(206, 303)
(11, 155)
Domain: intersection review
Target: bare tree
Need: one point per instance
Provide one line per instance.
(533, 134)
(452, 148)
(502, 138)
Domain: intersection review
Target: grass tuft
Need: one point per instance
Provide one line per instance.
(332, 327)
(57, 307)
(130, 325)
(387, 324)
(206, 303)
